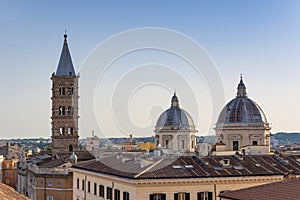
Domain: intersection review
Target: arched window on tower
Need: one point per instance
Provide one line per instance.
(71, 90)
(62, 131)
(61, 91)
(61, 111)
(71, 148)
(70, 111)
(70, 131)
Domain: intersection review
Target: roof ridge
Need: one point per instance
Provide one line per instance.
(150, 167)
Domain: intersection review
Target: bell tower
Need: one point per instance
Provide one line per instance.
(64, 105)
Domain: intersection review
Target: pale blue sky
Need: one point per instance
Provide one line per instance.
(260, 39)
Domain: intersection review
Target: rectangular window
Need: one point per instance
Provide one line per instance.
(116, 194)
(49, 197)
(59, 184)
(109, 193)
(50, 183)
(7, 165)
(182, 196)
(89, 186)
(6, 173)
(95, 188)
(168, 144)
(77, 183)
(82, 185)
(254, 143)
(235, 145)
(182, 146)
(101, 191)
(125, 196)
(204, 196)
(157, 197)
(7, 181)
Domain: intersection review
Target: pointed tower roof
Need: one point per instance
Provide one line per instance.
(65, 65)
(241, 90)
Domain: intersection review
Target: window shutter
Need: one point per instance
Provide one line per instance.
(187, 196)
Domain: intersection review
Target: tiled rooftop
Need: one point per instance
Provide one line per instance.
(192, 166)
(287, 189)
(9, 193)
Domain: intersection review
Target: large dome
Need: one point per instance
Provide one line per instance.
(242, 110)
(175, 118)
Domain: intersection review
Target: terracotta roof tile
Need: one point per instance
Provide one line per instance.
(287, 189)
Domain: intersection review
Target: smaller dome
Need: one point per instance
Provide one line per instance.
(73, 158)
(175, 118)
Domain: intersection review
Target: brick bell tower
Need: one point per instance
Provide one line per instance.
(64, 106)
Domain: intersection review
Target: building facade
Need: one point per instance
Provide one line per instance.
(50, 181)
(10, 172)
(175, 129)
(184, 177)
(64, 106)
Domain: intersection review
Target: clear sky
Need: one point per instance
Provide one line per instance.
(260, 39)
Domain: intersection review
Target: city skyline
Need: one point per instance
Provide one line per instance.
(259, 40)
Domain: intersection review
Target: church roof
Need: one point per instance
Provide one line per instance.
(242, 109)
(65, 65)
(175, 118)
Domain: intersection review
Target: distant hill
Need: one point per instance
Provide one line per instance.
(284, 138)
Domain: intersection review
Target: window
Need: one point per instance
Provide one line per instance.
(61, 91)
(70, 131)
(89, 186)
(7, 181)
(7, 165)
(157, 197)
(182, 144)
(117, 194)
(254, 143)
(71, 90)
(82, 185)
(101, 191)
(77, 183)
(125, 196)
(59, 184)
(61, 111)
(62, 131)
(6, 173)
(95, 188)
(235, 145)
(50, 197)
(50, 183)
(108, 193)
(168, 145)
(182, 196)
(204, 196)
(70, 148)
(70, 111)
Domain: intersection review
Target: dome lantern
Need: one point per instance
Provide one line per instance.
(241, 90)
